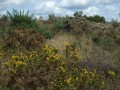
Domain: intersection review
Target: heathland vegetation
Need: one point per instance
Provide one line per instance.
(38, 54)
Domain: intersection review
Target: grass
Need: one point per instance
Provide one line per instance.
(60, 39)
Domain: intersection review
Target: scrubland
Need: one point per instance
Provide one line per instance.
(37, 54)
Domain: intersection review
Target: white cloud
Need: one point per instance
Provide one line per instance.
(107, 1)
(50, 7)
(45, 7)
(91, 11)
(111, 8)
(73, 4)
(16, 2)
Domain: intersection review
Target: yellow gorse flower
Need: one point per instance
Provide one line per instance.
(69, 80)
(112, 73)
(66, 44)
(13, 63)
(62, 69)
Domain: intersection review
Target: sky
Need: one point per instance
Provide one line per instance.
(107, 8)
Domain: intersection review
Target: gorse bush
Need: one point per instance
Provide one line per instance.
(49, 71)
(28, 39)
(21, 19)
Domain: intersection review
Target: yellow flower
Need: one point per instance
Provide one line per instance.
(56, 57)
(93, 74)
(15, 57)
(19, 63)
(47, 59)
(103, 83)
(62, 69)
(85, 71)
(68, 80)
(7, 64)
(66, 44)
(77, 78)
(94, 70)
(112, 73)
(46, 46)
(81, 74)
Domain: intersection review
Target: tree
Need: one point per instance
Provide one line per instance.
(78, 14)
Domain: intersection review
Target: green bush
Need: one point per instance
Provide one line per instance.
(115, 23)
(96, 18)
(21, 19)
(100, 40)
(48, 34)
(78, 14)
(43, 30)
(24, 20)
(59, 24)
(51, 16)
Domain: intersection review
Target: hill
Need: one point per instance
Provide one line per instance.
(45, 55)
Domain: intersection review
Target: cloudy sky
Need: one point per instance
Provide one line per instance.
(107, 8)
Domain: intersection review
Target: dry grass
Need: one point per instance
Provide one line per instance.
(83, 43)
(87, 49)
(60, 39)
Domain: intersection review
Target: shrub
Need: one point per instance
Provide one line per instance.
(24, 20)
(71, 76)
(115, 23)
(46, 33)
(78, 14)
(51, 16)
(4, 25)
(100, 41)
(59, 24)
(21, 19)
(104, 41)
(29, 39)
(96, 18)
(50, 71)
